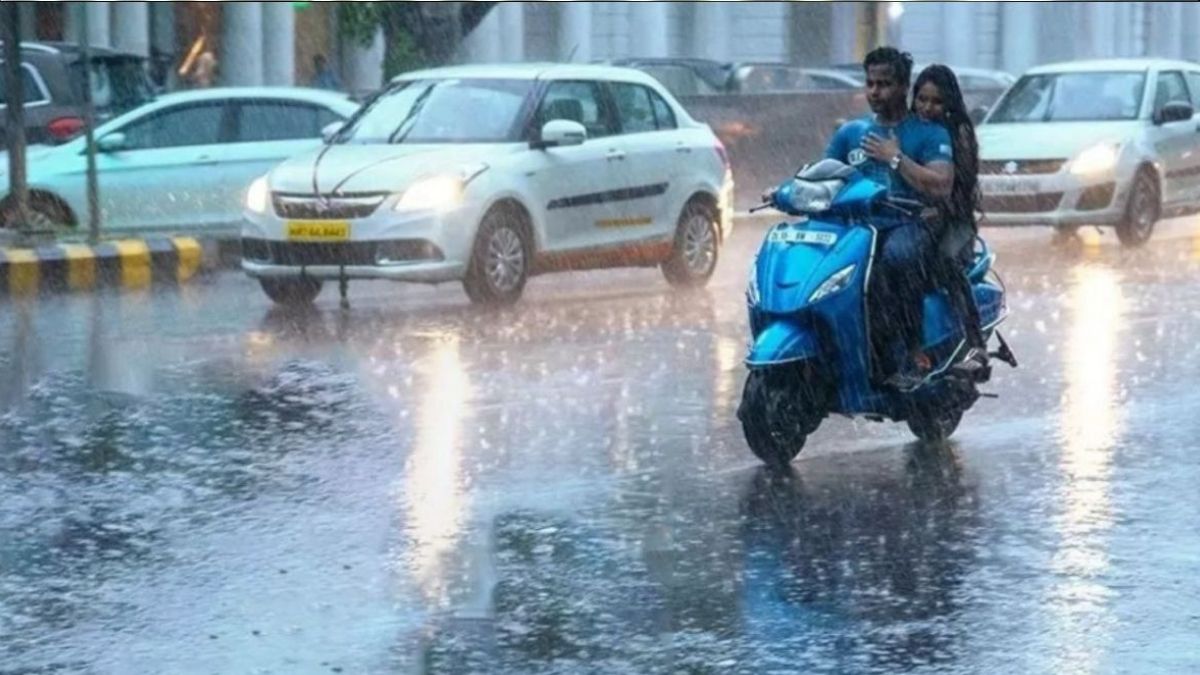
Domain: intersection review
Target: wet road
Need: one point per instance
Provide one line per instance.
(193, 482)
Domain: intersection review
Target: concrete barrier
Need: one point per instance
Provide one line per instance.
(126, 263)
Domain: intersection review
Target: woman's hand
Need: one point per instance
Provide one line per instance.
(879, 148)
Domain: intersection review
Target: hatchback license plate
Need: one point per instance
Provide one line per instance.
(318, 230)
(1012, 187)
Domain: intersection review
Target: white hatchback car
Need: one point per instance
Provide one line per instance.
(180, 163)
(489, 174)
(1108, 143)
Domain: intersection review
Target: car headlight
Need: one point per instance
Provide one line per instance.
(837, 282)
(438, 193)
(258, 196)
(1096, 159)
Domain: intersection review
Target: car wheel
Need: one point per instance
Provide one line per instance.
(695, 251)
(500, 259)
(1142, 211)
(45, 215)
(291, 291)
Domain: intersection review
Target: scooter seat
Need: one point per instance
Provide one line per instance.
(826, 169)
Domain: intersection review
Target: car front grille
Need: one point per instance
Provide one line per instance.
(1039, 203)
(327, 207)
(300, 253)
(1020, 167)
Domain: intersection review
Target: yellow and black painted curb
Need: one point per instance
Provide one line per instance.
(127, 263)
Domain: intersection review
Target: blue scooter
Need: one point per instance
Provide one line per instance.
(810, 355)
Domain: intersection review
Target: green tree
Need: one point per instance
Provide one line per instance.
(416, 34)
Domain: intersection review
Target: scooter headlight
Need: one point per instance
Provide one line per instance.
(837, 282)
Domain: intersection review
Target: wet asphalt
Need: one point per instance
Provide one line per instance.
(194, 482)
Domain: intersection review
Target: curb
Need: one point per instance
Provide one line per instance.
(125, 263)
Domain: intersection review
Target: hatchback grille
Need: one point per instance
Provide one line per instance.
(339, 253)
(1020, 167)
(327, 207)
(1039, 203)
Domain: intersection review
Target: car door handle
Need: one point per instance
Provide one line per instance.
(205, 160)
(684, 149)
(615, 155)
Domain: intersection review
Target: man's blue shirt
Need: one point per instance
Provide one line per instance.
(923, 142)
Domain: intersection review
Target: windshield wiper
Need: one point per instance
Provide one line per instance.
(401, 131)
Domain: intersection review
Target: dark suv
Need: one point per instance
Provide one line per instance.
(52, 84)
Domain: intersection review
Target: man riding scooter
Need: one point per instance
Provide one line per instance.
(914, 158)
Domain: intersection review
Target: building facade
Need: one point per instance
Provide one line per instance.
(1008, 36)
(274, 43)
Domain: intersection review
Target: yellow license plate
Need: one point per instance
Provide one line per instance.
(318, 230)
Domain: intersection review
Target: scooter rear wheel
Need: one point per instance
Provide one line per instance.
(774, 418)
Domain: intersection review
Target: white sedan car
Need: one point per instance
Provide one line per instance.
(180, 163)
(488, 174)
(1108, 143)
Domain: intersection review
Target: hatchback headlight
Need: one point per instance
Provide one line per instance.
(440, 193)
(836, 283)
(1096, 159)
(258, 196)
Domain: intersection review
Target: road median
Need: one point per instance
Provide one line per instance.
(121, 263)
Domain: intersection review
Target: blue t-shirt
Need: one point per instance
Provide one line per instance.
(921, 141)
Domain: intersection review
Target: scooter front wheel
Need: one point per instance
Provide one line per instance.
(935, 425)
(775, 418)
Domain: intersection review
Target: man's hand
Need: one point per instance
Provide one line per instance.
(881, 149)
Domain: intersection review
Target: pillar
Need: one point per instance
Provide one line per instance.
(1018, 36)
(1166, 30)
(843, 31)
(574, 31)
(362, 67)
(648, 29)
(241, 60)
(279, 44)
(131, 27)
(710, 35)
(512, 30)
(958, 33)
(97, 20)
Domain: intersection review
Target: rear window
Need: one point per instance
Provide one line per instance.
(117, 84)
(31, 92)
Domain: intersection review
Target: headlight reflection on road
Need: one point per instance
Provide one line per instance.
(1090, 428)
(433, 491)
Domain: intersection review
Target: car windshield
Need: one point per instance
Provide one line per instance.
(1072, 97)
(441, 111)
(118, 84)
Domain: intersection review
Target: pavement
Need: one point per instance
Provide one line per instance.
(195, 481)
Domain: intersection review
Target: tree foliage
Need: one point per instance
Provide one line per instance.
(416, 34)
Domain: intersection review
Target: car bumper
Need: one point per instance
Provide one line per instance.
(429, 247)
(1058, 200)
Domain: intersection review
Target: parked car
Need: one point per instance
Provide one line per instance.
(683, 77)
(488, 174)
(764, 78)
(180, 163)
(52, 81)
(1106, 142)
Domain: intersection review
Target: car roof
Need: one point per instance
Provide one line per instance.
(310, 95)
(1112, 65)
(531, 71)
(73, 50)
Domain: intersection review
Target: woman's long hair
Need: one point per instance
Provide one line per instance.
(964, 195)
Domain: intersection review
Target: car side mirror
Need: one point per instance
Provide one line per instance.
(330, 130)
(114, 142)
(560, 133)
(978, 114)
(1175, 111)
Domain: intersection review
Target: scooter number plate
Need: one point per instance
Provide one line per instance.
(803, 237)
